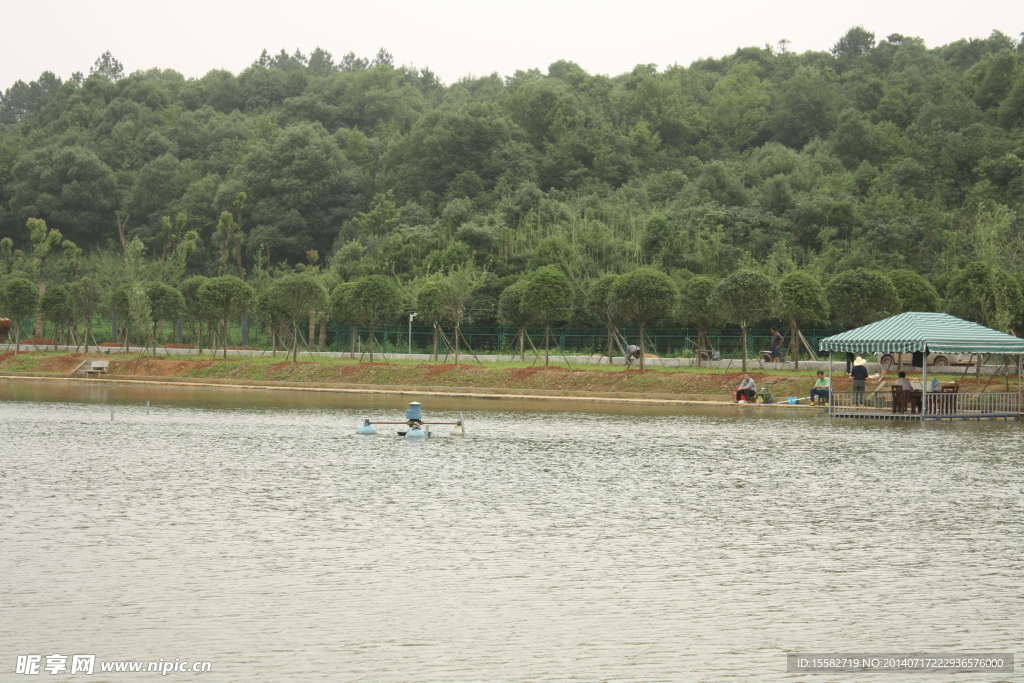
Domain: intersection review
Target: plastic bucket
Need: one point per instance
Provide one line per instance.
(792, 400)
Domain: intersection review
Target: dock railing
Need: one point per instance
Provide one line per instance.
(935, 405)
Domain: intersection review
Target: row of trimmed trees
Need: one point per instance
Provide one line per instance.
(978, 292)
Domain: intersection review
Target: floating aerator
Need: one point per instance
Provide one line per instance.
(414, 422)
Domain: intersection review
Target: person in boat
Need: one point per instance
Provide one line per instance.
(632, 354)
(746, 390)
(821, 387)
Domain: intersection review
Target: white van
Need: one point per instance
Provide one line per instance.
(939, 360)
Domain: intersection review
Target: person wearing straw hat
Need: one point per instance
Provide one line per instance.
(859, 373)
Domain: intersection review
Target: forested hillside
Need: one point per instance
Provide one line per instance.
(896, 166)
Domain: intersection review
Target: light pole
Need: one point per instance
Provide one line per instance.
(411, 316)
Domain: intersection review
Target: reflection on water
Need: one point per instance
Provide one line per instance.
(256, 531)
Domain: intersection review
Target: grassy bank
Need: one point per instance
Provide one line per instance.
(714, 384)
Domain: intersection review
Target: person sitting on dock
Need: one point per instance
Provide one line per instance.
(632, 353)
(746, 390)
(904, 383)
(821, 387)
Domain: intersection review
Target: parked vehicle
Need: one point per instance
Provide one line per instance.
(938, 360)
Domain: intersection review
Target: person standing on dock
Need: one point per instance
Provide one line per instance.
(859, 373)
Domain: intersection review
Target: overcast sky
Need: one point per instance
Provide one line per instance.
(456, 38)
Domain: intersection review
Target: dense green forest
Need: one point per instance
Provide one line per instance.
(880, 176)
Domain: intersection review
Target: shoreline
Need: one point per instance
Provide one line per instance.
(493, 393)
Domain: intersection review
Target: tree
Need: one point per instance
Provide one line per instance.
(511, 313)
(644, 294)
(375, 299)
(72, 259)
(107, 65)
(546, 299)
(341, 310)
(986, 295)
(177, 249)
(9, 256)
(746, 297)
(68, 186)
(696, 307)
(18, 299)
(456, 299)
(430, 304)
(321, 62)
(229, 228)
(739, 105)
(302, 187)
(167, 304)
(803, 302)
(382, 217)
(225, 297)
(294, 297)
(43, 243)
(805, 107)
(140, 313)
(55, 306)
(856, 43)
(383, 58)
(85, 300)
(858, 297)
(196, 311)
(916, 293)
(602, 305)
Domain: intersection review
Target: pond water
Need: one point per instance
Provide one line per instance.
(256, 531)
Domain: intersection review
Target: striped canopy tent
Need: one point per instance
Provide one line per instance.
(928, 333)
(925, 332)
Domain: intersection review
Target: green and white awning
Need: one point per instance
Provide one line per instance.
(933, 332)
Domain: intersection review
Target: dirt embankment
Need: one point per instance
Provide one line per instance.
(715, 385)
